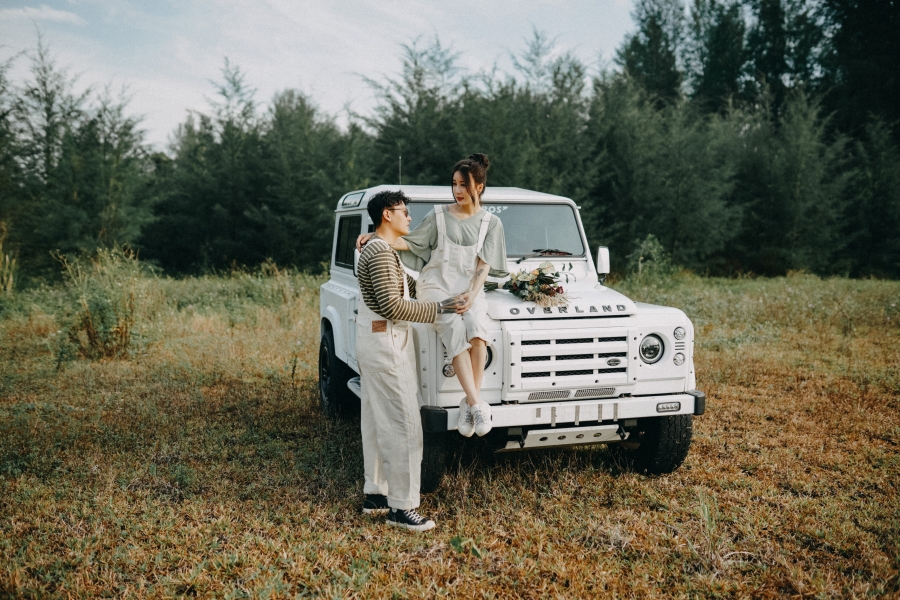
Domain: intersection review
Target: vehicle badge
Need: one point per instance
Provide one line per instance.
(613, 362)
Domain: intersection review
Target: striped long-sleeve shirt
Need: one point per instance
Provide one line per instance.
(381, 283)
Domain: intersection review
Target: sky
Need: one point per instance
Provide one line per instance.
(167, 53)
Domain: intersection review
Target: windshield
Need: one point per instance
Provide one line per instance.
(528, 227)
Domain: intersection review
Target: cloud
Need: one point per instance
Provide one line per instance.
(167, 52)
(44, 13)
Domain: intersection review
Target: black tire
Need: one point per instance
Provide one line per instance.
(657, 445)
(434, 460)
(335, 398)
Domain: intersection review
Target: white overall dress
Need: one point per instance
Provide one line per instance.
(389, 417)
(449, 272)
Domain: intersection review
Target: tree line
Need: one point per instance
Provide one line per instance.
(754, 136)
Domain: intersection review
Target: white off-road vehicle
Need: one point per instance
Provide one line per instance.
(601, 370)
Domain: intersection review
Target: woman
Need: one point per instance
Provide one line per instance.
(455, 248)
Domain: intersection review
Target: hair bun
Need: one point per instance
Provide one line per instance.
(480, 158)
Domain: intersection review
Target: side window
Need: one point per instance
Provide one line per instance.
(348, 229)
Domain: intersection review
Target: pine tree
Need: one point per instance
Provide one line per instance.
(806, 44)
(85, 168)
(768, 47)
(666, 172)
(649, 56)
(309, 165)
(10, 169)
(217, 177)
(791, 181)
(716, 53)
(247, 186)
(872, 213)
(786, 46)
(862, 65)
(531, 127)
(415, 117)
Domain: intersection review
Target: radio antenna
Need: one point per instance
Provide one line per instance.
(400, 170)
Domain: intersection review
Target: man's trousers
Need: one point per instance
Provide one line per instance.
(390, 420)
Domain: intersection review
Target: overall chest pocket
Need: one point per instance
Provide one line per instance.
(461, 258)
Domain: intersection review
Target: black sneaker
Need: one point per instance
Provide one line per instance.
(409, 519)
(375, 504)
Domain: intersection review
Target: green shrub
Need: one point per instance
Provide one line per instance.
(650, 259)
(100, 319)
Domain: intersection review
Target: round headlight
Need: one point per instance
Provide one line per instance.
(678, 359)
(651, 349)
(448, 371)
(679, 333)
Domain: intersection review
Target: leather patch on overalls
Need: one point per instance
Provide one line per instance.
(379, 326)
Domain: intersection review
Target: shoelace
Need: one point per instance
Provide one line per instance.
(469, 417)
(413, 516)
(477, 416)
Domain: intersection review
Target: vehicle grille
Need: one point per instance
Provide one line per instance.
(595, 393)
(577, 372)
(560, 395)
(575, 356)
(541, 359)
(579, 394)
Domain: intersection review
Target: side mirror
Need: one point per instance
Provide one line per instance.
(602, 262)
(355, 261)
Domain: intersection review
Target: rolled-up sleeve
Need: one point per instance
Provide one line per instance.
(493, 252)
(421, 241)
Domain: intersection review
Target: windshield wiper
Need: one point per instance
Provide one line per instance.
(539, 252)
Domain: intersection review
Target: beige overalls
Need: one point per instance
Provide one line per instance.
(389, 416)
(449, 272)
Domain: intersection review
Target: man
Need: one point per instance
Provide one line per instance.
(390, 420)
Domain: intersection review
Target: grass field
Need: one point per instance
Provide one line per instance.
(162, 438)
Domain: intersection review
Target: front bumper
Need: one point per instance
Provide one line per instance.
(575, 413)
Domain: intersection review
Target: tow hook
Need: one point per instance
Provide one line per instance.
(635, 437)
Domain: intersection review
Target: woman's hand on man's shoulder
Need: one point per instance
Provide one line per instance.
(363, 239)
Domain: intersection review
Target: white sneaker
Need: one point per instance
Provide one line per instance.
(481, 416)
(466, 424)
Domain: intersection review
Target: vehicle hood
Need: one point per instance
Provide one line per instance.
(586, 300)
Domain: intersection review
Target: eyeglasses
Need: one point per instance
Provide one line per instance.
(405, 210)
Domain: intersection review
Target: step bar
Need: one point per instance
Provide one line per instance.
(566, 436)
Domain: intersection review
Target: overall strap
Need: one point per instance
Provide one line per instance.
(482, 233)
(441, 227)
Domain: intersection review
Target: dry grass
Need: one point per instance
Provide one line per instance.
(200, 466)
